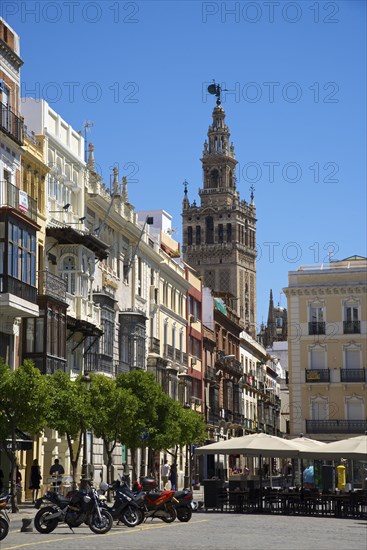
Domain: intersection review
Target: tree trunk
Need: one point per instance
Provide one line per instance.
(133, 463)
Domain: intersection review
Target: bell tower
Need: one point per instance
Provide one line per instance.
(219, 236)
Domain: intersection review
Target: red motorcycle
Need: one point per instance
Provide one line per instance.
(153, 503)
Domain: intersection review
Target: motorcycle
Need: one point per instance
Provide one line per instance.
(4, 517)
(184, 505)
(153, 503)
(124, 508)
(83, 506)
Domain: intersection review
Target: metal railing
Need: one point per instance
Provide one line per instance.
(317, 375)
(316, 327)
(11, 124)
(13, 197)
(154, 345)
(353, 375)
(14, 286)
(352, 327)
(336, 426)
(52, 285)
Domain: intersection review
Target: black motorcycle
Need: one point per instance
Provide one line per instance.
(184, 506)
(4, 518)
(124, 508)
(82, 507)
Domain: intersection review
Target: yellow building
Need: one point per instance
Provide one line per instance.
(327, 325)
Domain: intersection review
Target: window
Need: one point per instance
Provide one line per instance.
(198, 235)
(194, 347)
(209, 230)
(351, 322)
(107, 338)
(140, 276)
(319, 409)
(220, 233)
(189, 235)
(316, 314)
(229, 232)
(318, 359)
(352, 359)
(21, 253)
(355, 408)
(69, 275)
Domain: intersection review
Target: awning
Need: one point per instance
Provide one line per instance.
(24, 441)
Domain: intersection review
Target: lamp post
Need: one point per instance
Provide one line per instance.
(187, 459)
(86, 379)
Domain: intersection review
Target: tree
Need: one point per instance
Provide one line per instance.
(147, 393)
(71, 412)
(114, 411)
(24, 405)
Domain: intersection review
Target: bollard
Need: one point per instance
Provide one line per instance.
(26, 527)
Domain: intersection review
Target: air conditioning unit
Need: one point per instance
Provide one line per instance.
(193, 361)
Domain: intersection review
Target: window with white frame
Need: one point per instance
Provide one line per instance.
(319, 408)
(352, 356)
(318, 358)
(354, 408)
(69, 274)
(316, 313)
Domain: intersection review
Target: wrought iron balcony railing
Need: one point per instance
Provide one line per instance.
(52, 285)
(16, 198)
(336, 426)
(11, 124)
(353, 375)
(154, 345)
(352, 327)
(316, 327)
(317, 375)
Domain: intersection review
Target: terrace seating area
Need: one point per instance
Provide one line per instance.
(291, 501)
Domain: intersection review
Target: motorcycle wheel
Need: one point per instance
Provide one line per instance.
(172, 515)
(131, 516)
(41, 523)
(184, 514)
(4, 528)
(100, 527)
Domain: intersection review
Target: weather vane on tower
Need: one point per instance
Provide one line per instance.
(215, 89)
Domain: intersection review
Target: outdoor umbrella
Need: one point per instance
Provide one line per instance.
(307, 444)
(252, 445)
(354, 447)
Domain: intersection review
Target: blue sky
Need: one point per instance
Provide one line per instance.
(297, 114)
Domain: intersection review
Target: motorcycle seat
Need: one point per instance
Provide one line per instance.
(185, 493)
(154, 496)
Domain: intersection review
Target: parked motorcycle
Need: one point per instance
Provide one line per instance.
(155, 504)
(124, 508)
(82, 507)
(181, 501)
(4, 517)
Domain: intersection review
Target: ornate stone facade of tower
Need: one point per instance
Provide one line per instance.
(219, 236)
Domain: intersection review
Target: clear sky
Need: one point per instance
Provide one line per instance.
(295, 74)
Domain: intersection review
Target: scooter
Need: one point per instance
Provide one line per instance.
(4, 517)
(155, 504)
(184, 505)
(124, 508)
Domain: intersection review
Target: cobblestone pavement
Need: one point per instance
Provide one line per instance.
(212, 531)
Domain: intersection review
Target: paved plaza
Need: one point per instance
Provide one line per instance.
(214, 531)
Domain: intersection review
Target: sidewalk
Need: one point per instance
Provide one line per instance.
(26, 511)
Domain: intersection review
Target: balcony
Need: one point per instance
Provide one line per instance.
(336, 426)
(213, 417)
(353, 375)
(316, 327)
(11, 124)
(317, 375)
(17, 299)
(52, 285)
(154, 345)
(210, 374)
(12, 197)
(352, 327)
(168, 352)
(84, 309)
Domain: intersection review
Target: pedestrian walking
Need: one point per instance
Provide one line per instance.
(173, 476)
(165, 473)
(35, 479)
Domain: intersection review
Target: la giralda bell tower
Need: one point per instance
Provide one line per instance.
(219, 236)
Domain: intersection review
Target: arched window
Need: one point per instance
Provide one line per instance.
(189, 235)
(68, 273)
(214, 178)
(209, 230)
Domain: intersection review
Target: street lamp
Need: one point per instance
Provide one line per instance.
(86, 379)
(187, 459)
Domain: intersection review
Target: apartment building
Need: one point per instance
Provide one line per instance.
(327, 326)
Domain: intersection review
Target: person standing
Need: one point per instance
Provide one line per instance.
(57, 471)
(165, 473)
(35, 479)
(173, 476)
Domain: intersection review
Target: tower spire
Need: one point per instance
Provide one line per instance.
(185, 202)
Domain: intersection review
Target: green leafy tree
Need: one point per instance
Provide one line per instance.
(114, 414)
(147, 393)
(24, 405)
(71, 412)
